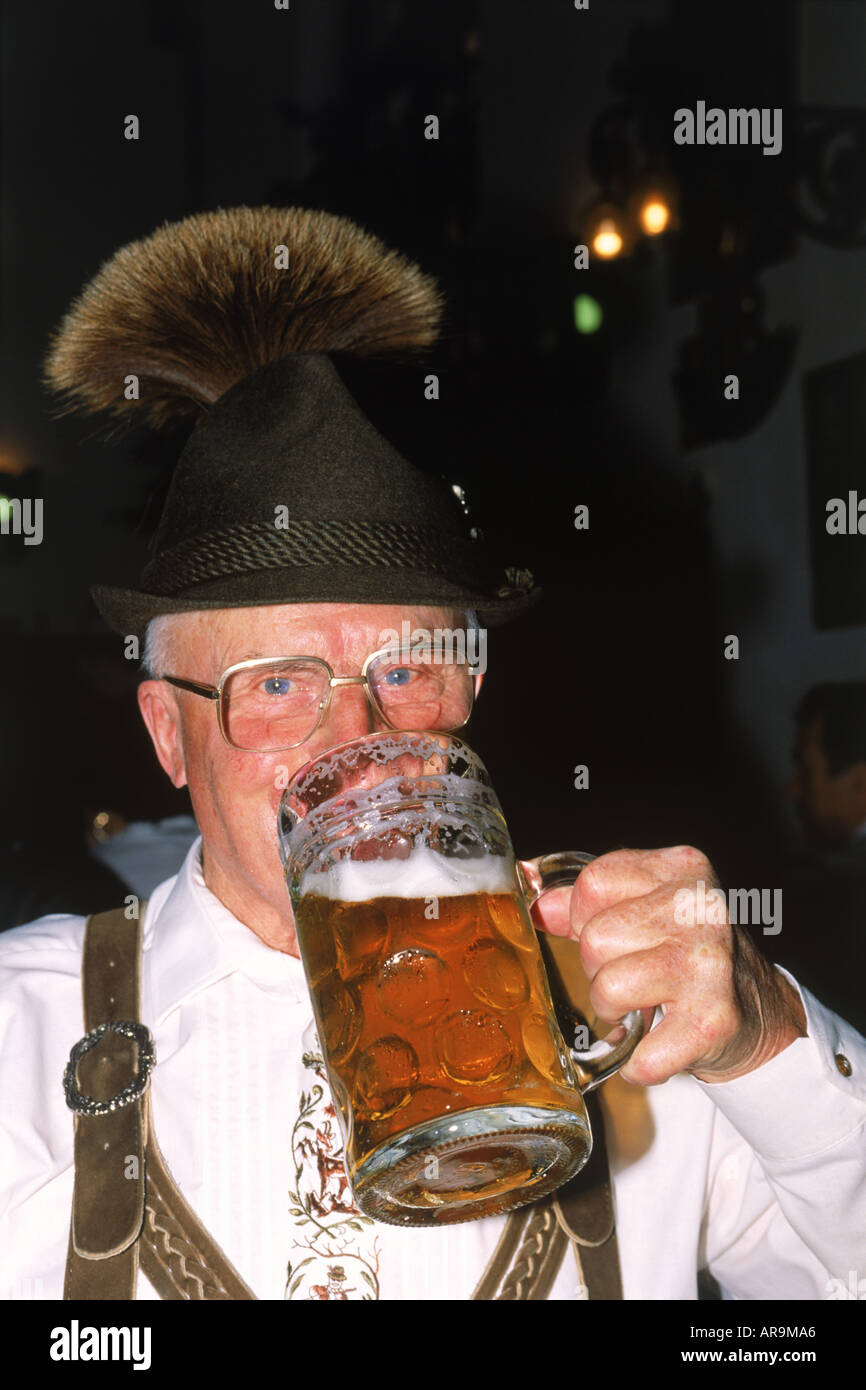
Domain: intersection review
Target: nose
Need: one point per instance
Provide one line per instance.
(350, 715)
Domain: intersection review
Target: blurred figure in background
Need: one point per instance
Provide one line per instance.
(824, 924)
(828, 787)
(141, 853)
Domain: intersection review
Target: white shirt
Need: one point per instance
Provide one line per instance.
(762, 1178)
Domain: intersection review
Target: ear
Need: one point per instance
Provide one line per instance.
(161, 715)
(478, 683)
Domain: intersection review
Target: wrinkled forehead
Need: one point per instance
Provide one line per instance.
(336, 632)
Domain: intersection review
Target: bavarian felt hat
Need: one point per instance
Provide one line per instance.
(285, 492)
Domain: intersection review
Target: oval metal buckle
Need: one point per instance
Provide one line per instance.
(86, 1105)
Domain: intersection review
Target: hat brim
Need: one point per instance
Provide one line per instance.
(128, 611)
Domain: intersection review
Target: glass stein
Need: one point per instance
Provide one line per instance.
(457, 1095)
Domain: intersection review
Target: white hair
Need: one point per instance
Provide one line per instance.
(156, 659)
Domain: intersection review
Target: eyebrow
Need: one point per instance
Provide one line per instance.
(275, 655)
(279, 656)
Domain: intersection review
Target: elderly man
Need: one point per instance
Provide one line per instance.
(748, 1162)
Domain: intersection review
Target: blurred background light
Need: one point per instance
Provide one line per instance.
(655, 215)
(588, 314)
(607, 238)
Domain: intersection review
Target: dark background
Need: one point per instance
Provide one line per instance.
(700, 509)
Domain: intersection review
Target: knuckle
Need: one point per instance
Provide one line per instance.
(643, 1069)
(591, 940)
(716, 1023)
(606, 993)
(592, 882)
(689, 860)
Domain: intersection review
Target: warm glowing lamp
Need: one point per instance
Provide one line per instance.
(655, 215)
(607, 239)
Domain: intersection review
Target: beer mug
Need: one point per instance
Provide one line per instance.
(457, 1095)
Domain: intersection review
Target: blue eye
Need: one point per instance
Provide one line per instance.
(277, 685)
(398, 677)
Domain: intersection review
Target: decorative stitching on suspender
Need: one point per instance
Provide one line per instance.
(540, 1230)
(181, 1261)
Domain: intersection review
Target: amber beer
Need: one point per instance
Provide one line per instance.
(457, 1096)
(429, 1005)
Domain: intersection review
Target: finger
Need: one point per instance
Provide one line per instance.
(630, 873)
(642, 980)
(671, 973)
(673, 1046)
(599, 1027)
(635, 924)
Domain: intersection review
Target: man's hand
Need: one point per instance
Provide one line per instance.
(727, 1010)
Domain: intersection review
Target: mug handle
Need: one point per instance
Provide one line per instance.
(603, 1058)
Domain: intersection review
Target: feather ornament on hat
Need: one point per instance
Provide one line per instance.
(202, 303)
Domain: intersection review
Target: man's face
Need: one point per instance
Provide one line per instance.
(235, 795)
(830, 805)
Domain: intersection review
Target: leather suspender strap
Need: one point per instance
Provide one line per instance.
(584, 1210)
(584, 1206)
(108, 1195)
(125, 1203)
(599, 1265)
(178, 1256)
(526, 1261)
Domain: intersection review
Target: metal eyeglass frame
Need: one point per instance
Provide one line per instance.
(215, 692)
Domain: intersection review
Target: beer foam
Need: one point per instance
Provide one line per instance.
(424, 874)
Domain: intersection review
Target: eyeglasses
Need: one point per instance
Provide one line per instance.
(273, 703)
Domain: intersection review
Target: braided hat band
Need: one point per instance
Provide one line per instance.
(254, 546)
